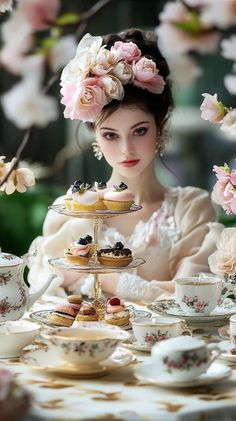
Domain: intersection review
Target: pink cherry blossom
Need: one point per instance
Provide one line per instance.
(84, 102)
(229, 123)
(146, 76)
(62, 52)
(230, 83)
(219, 13)
(19, 179)
(224, 192)
(212, 109)
(40, 13)
(229, 48)
(128, 51)
(184, 69)
(173, 40)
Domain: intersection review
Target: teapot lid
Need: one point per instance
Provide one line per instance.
(8, 259)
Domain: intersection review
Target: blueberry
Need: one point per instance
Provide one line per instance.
(82, 241)
(119, 246)
(88, 239)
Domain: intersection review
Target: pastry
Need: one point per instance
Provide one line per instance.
(100, 308)
(61, 319)
(101, 188)
(119, 198)
(79, 252)
(117, 256)
(116, 313)
(74, 299)
(82, 197)
(87, 314)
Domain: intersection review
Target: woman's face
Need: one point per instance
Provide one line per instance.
(127, 139)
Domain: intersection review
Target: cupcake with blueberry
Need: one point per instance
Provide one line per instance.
(79, 252)
(119, 198)
(117, 256)
(116, 313)
(82, 197)
(101, 188)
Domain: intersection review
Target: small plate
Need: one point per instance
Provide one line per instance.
(218, 316)
(226, 348)
(136, 346)
(42, 316)
(45, 359)
(93, 267)
(101, 214)
(215, 373)
(224, 332)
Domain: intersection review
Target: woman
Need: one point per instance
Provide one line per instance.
(122, 91)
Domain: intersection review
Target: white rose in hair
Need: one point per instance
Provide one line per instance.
(104, 62)
(112, 87)
(123, 71)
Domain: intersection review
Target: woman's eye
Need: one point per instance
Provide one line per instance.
(110, 135)
(140, 131)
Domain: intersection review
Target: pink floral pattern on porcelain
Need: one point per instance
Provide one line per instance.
(186, 361)
(151, 338)
(82, 348)
(195, 304)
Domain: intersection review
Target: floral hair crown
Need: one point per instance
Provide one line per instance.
(96, 75)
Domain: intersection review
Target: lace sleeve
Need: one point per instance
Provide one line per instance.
(134, 288)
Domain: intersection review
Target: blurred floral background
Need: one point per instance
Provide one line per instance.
(38, 38)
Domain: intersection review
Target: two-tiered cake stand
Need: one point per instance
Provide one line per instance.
(93, 267)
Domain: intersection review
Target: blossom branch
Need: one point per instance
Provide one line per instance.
(85, 18)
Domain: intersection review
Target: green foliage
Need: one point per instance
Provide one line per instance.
(227, 220)
(22, 217)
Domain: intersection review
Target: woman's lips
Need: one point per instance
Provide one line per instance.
(130, 163)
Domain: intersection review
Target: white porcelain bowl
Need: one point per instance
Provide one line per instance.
(15, 335)
(87, 344)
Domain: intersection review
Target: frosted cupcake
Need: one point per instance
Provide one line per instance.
(119, 198)
(79, 252)
(82, 197)
(116, 313)
(117, 256)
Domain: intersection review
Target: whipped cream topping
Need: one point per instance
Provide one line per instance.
(119, 196)
(118, 315)
(76, 249)
(88, 197)
(114, 309)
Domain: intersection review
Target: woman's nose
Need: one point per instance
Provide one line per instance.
(127, 146)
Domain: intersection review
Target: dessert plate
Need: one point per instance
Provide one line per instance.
(45, 359)
(42, 316)
(101, 214)
(226, 348)
(93, 267)
(215, 373)
(220, 314)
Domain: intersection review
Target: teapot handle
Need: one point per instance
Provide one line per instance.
(25, 257)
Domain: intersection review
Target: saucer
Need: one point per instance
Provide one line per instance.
(217, 317)
(215, 373)
(224, 332)
(45, 359)
(226, 348)
(136, 346)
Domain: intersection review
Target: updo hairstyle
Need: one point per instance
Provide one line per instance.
(159, 105)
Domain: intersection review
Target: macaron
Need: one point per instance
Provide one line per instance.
(61, 319)
(66, 309)
(74, 299)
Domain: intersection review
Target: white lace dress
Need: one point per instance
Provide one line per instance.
(175, 242)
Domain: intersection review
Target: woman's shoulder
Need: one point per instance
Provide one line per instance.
(188, 192)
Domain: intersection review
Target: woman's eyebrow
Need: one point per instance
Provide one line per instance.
(132, 127)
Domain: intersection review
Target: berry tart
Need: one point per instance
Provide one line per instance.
(117, 256)
(101, 188)
(79, 252)
(116, 313)
(119, 198)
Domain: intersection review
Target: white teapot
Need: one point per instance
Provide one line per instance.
(15, 297)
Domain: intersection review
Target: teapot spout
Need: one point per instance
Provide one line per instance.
(33, 296)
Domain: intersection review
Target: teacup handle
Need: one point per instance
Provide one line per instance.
(187, 332)
(214, 352)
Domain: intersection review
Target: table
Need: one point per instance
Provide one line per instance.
(119, 396)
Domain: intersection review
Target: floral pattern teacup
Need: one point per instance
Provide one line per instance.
(86, 345)
(155, 329)
(198, 296)
(183, 358)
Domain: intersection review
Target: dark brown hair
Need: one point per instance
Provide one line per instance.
(159, 105)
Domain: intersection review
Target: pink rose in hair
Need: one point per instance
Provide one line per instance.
(224, 190)
(84, 102)
(128, 51)
(212, 109)
(146, 76)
